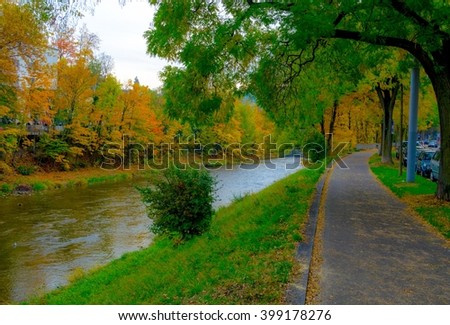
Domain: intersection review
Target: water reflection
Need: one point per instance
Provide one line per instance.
(44, 238)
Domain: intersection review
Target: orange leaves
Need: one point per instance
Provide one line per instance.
(22, 42)
(37, 92)
(65, 45)
(135, 116)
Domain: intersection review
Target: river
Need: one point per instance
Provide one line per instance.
(45, 239)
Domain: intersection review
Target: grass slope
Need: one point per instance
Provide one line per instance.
(247, 257)
(419, 195)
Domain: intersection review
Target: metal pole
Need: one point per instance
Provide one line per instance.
(401, 132)
(412, 129)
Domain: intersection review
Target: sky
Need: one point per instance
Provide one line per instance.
(120, 30)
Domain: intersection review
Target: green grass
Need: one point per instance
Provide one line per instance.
(247, 257)
(39, 186)
(389, 176)
(5, 189)
(419, 195)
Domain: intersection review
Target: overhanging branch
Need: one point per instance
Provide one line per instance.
(414, 48)
(401, 7)
(278, 5)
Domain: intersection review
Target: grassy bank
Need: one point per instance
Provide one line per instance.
(247, 257)
(43, 181)
(418, 195)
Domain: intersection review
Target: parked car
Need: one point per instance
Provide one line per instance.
(423, 162)
(433, 144)
(434, 173)
(405, 155)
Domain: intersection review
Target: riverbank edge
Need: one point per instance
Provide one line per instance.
(42, 182)
(297, 291)
(247, 257)
(56, 180)
(418, 196)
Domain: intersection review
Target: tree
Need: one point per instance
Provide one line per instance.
(22, 42)
(37, 92)
(135, 117)
(75, 90)
(235, 39)
(106, 107)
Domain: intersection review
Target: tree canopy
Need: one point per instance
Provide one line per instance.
(238, 44)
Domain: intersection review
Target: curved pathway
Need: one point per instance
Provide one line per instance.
(373, 250)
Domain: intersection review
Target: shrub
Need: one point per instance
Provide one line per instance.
(180, 203)
(5, 189)
(49, 149)
(9, 142)
(38, 186)
(25, 170)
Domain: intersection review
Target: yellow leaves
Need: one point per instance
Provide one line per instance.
(22, 42)
(228, 133)
(21, 34)
(83, 137)
(4, 110)
(247, 126)
(63, 162)
(358, 119)
(37, 92)
(26, 142)
(76, 151)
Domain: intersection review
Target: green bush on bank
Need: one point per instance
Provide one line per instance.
(26, 170)
(180, 203)
(5, 189)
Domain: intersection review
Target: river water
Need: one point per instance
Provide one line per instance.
(47, 238)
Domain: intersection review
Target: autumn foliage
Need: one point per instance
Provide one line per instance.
(61, 105)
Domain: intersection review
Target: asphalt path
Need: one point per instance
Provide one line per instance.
(374, 250)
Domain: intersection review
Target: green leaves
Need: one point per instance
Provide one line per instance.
(49, 148)
(180, 204)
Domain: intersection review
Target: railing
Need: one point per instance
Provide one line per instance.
(39, 129)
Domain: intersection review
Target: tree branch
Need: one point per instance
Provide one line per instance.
(339, 18)
(279, 5)
(414, 48)
(401, 7)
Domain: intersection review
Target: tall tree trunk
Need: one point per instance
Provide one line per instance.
(322, 125)
(441, 86)
(332, 123)
(387, 99)
(439, 74)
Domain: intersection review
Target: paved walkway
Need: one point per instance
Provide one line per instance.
(373, 251)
